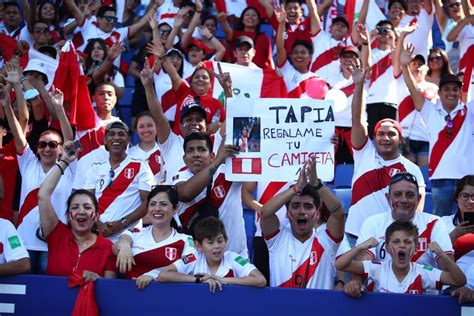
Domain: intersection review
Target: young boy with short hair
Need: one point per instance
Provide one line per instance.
(212, 264)
(400, 275)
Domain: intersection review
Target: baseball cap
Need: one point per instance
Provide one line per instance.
(340, 19)
(388, 122)
(198, 43)
(188, 108)
(450, 79)
(244, 40)
(38, 66)
(420, 58)
(350, 49)
(117, 124)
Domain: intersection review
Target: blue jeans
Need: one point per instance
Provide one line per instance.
(39, 261)
(442, 193)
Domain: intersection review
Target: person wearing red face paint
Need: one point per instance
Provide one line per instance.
(400, 274)
(451, 134)
(34, 169)
(375, 162)
(74, 247)
(300, 257)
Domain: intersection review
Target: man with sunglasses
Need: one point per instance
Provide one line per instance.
(120, 183)
(450, 126)
(403, 196)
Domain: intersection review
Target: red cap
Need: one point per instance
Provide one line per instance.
(389, 122)
(198, 43)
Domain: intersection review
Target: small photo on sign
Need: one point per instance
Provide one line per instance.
(246, 134)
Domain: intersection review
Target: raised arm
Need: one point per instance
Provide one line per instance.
(13, 78)
(159, 52)
(163, 128)
(453, 35)
(57, 99)
(453, 275)
(467, 7)
(195, 21)
(362, 19)
(112, 53)
(141, 24)
(315, 15)
(399, 48)
(416, 95)
(347, 262)
(76, 13)
(359, 132)
(18, 134)
(365, 51)
(176, 30)
(228, 31)
(428, 6)
(441, 16)
(267, 6)
(220, 49)
(280, 40)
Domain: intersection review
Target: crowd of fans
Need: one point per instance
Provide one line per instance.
(77, 196)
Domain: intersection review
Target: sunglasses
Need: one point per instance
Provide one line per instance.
(464, 196)
(455, 4)
(51, 144)
(43, 30)
(110, 18)
(435, 58)
(111, 176)
(404, 176)
(164, 32)
(449, 125)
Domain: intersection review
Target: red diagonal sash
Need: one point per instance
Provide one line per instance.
(118, 186)
(154, 162)
(445, 140)
(380, 68)
(304, 273)
(31, 201)
(426, 234)
(467, 63)
(326, 58)
(416, 287)
(405, 108)
(349, 90)
(92, 140)
(270, 191)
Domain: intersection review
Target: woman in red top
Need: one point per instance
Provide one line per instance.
(75, 247)
(249, 25)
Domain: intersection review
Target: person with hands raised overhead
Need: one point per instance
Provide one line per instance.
(400, 274)
(212, 264)
(299, 256)
(78, 239)
(141, 255)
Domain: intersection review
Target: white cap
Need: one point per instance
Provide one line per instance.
(36, 65)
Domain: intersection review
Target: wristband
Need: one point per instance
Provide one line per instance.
(335, 208)
(62, 160)
(60, 168)
(198, 11)
(210, 38)
(319, 186)
(23, 79)
(339, 281)
(365, 43)
(197, 278)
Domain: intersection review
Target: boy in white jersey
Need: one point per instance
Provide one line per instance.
(212, 264)
(400, 275)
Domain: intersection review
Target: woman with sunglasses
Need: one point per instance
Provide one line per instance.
(141, 255)
(438, 65)
(461, 227)
(34, 168)
(74, 247)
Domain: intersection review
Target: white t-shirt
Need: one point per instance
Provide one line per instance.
(455, 160)
(294, 264)
(418, 280)
(11, 246)
(370, 182)
(167, 12)
(226, 196)
(293, 78)
(118, 194)
(430, 228)
(154, 159)
(232, 265)
(33, 176)
(421, 38)
(343, 112)
(382, 88)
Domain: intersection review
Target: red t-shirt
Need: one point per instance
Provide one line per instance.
(8, 171)
(64, 257)
(185, 95)
(263, 47)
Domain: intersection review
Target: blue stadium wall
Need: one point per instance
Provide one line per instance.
(39, 295)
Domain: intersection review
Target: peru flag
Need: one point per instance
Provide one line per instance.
(247, 165)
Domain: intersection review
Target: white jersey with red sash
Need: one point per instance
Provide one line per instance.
(294, 264)
(342, 113)
(295, 81)
(232, 265)
(421, 38)
(383, 84)
(118, 190)
(154, 159)
(167, 12)
(224, 195)
(420, 278)
(430, 228)
(327, 51)
(265, 191)
(451, 138)
(466, 58)
(370, 182)
(172, 152)
(33, 176)
(410, 119)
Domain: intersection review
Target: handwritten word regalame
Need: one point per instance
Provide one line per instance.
(288, 133)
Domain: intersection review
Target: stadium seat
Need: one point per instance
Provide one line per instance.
(345, 195)
(343, 176)
(428, 208)
(126, 100)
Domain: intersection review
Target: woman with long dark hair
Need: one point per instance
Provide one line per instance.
(438, 65)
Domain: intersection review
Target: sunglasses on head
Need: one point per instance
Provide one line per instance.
(404, 176)
(164, 32)
(110, 18)
(43, 30)
(51, 144)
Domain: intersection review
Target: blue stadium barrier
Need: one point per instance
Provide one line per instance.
(428, 207)
(343, 176)
(41, 295)
(345, 195)
(426, 177)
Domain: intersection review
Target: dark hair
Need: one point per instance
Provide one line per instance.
(139, 116)
(88, 50)
(170, 191)
(101, 12)
(181, 68)
(312, 192)
(240, 25)
(210, 17)
(466, 180)
(40, 21)
(41, 5)
(304, 43)
(12, 3)
(198, 136)
(83, 192)
(383, 22)
(102, 84)
(209, 228)
(446, 69)
(401, 2)
(187, 3)
(405, 226)
(209, 72)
